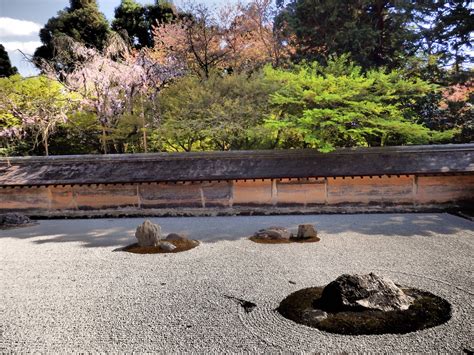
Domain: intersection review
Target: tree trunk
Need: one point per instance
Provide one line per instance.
(145, 143)
(45, 145)
(380, 7)
(104, 140)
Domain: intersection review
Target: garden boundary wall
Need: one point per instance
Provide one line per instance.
(417, 178)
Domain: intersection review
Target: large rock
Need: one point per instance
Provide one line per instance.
(356, 292)
(306, 231)
(14, 219)
(148, 234)
(273, 233)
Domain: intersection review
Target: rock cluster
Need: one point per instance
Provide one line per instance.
(149, 234)
(305, 231)
(275, 233)
(365, 304)
(14, 219)
(358, 292)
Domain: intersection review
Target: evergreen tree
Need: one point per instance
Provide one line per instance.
(339, 105)
(454, 25)
(6, 68)
(82, 21)
(137, 20)
(374, 32)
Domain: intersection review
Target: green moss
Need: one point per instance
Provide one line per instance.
(427, 311)
(181, 245)
(284, 241)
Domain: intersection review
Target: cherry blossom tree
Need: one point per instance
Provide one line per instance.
(112, 82)
(236, 37)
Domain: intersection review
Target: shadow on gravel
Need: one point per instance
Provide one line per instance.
(120, 231)
(246, 305)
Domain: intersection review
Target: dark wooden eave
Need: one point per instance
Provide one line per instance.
(235, 165)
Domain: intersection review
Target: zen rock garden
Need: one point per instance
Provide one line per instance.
(351, 304)
(365, 304)
(152, 241)
(374, 283)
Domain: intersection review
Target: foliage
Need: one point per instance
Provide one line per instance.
(80, 134)
(456, 110)
(221, 112)
(137, 20)
(450, 35)
(375, 33)
(378, 32)
(236, 38)
(33, 107)
(82, 21)
(6, 68)
(115, 82)
(193, 79)
(339, 105)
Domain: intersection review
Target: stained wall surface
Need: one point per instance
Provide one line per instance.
(317, 193)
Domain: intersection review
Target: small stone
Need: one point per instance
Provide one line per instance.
(148, 234)
(353, 292)
(306, 231)
(273, 233)
(166, 246)
(14, 219)
(176, 236)
(311, 315)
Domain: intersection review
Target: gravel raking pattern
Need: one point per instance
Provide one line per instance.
(64, 287)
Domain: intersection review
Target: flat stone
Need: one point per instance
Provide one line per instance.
(166, 246)
(273, 233)
(148, 234)
(356, 292)
(176, 236)
(306, 231)
(311, 315)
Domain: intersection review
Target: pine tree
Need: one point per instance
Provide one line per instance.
(6, 68)
(138, 20)
(82, 21)
(374, 32)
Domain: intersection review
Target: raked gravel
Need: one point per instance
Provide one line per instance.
(64, 287)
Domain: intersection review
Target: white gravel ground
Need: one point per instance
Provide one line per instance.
(63, 288)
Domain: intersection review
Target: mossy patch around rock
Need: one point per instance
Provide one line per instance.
(14, 226)
(181, 245)
(427, 311)
(284, 241)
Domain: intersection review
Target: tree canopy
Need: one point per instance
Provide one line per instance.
(254, 75)
(377, 32)
(82, 21)
(339, 105)
(137, 20)
(33, 107)
(6, 68)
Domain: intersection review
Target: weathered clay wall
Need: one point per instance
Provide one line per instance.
(317, 194)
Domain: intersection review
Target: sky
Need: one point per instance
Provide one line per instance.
(21, 21)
